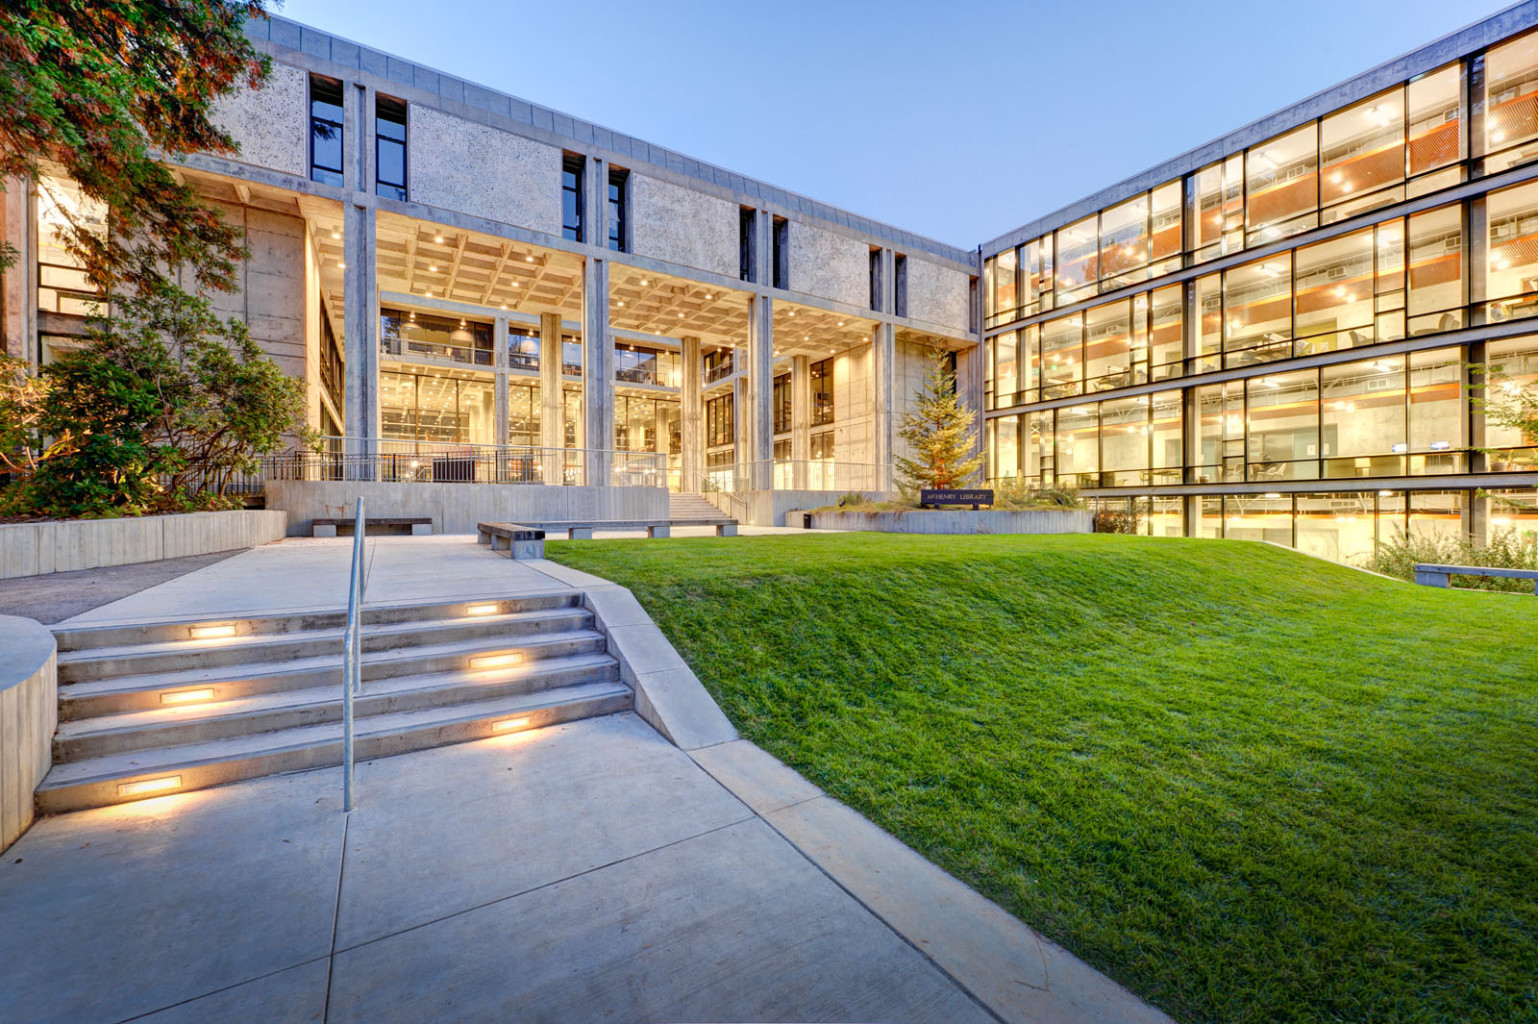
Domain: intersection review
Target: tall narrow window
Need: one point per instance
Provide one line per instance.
(875, 279)
(747, 237)
(619, 183)
(571, 198)
(390, 147)
(822, 392)
(900, 281)
(781, 255)
(325, 130)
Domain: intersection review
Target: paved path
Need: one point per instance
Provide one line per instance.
(587, 872)
(59, 595)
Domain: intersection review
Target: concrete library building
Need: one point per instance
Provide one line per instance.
(505, 312)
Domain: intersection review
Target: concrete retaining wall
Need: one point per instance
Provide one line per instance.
(29, 711)
(36, 549)
(959, 521)
(456, 508)
(779, 508)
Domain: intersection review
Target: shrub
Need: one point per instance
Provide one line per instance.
(1012, 492)
(1504, 550)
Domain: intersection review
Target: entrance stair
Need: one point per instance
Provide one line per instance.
(687, 508)
(162, 707)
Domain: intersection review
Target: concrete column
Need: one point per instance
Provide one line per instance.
(691, 424)
(500, 414)
(883, 357)
(552, 400)
(595, 197)
(360, 333)
(801, 420)
(742, 439)
(18, 291)
(597, 370)
(759, 414)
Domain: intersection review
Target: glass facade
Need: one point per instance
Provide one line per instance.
(1292, 342)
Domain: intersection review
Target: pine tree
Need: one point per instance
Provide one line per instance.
(939, 433)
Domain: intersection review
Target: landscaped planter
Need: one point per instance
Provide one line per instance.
(35, 549)
(957, 521)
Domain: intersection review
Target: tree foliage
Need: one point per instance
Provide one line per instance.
(104, 91)
(939, 432)
(162, 409)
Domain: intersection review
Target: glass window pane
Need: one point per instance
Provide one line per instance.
(1004, 284)
(1512, 215)
(1282, 182)
(1435, 131)
(1220, 433)
(1077, 263)
(1334, 293)
(1512, 367)
(1037, 447)
(1006, 447)
(1006, 368)
(1338, 526)
(1168, 457)
(1124, 240)
(1165, 234)
(1282, 429)
(1062, 368)
(1113, 354)
(1030, 364)
(1166, 337)
(1511, 102)
(1362, 417)
(1124, 440)
(1078, 448)
(1436, 264)
(1209, 306)
(1257, 309)
(1362, 147)
(1437, 412)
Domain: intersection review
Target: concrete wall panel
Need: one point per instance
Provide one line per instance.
(938, 295)
(829, 265)
(29, 703)
(36, 549)
(479, 170)
(271, 124)
(680, 225)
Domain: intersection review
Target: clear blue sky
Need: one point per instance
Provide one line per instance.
(956, 120)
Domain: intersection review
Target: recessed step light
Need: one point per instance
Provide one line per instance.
(148, 786)
(187, 696)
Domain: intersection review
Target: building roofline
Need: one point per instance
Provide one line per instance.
(323, 45)
(1453, 46)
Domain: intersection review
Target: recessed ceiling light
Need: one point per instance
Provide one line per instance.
(528, 259)
(432, 266)
(336, 234)
(438, 238)
(620, 303)
(341, 266)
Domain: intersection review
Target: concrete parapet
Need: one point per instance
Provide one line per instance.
(36, 549)
(458, 507)
(29, 709)
(942, 521)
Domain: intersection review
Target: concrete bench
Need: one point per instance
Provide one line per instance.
(420, 525)
(522, 541)
(583, 529)
(1436, 575)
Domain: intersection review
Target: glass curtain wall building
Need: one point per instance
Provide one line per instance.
(1287, 334)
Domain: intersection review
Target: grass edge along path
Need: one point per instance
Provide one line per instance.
(1249, 785)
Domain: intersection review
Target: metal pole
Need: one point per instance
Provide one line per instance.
(351, 668)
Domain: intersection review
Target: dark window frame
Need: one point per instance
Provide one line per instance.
(384, 126)
(326, 126)
(573, 172)
(619, 209)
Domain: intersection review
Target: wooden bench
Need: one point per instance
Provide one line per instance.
(522, 541)
(1436, 575)
(582, 529)
(419, 525)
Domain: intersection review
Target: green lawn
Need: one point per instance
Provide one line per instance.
(1249, 785)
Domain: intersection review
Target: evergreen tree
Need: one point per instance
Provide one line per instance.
(939, 433)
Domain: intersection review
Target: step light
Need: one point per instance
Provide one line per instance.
(148, 786)
(497, 660)
(187, 696)
(489, 608)
(212, 632)
(509, 724)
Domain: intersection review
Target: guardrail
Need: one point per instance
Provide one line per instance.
(392, 461)
(352, 648)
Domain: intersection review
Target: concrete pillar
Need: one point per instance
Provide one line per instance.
(597, 370)
(360, 335)
(691, 424)
(18, 292)
(742, 440)
(552, 408)
(801, 420)
(595, 197)
(883, 357)
(759, 413)
(500, 414)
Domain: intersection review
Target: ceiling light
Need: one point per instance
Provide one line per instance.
(528, 259)
(504, 305)
(438, 239)
(336, 234)
(621, 302)
(341, 266)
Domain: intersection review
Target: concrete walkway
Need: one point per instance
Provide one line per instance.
(589, 871)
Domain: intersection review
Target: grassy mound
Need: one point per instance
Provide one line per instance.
(1250, 785)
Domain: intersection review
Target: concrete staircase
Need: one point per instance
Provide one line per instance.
(687, 507)
(153, 708)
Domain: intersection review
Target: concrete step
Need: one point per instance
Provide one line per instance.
(181, 655)
(138, 774)
(193, 628)
(198, 723)
(158, 689)
(691, 506)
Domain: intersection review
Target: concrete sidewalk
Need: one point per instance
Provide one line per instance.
(588, 871)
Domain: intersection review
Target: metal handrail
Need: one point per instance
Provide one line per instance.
(352, 665)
